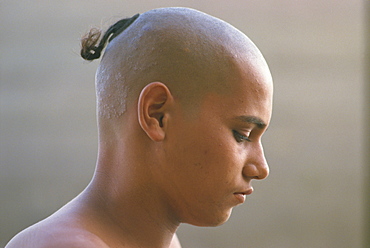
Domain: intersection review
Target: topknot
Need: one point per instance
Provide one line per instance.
(89, 48)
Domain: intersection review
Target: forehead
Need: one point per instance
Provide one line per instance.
(249, 93)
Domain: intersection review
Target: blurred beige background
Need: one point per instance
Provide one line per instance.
(313, 196)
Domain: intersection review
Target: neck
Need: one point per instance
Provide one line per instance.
(134, 209)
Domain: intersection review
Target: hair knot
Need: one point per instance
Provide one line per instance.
(89, 48)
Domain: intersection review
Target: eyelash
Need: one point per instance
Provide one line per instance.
(240, 138)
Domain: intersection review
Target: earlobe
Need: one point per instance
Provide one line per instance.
(153, 105)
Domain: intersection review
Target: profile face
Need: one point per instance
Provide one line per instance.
(213, 157)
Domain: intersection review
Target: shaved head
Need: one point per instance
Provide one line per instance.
(192, 53)
(183, 101)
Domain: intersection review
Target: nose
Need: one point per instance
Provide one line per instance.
(256, 166)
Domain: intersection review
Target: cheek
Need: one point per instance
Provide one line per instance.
(206, 155)
(219, 160)
(197, 160)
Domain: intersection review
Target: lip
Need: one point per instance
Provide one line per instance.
(241, 196)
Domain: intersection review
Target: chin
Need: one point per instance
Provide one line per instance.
(211, 220)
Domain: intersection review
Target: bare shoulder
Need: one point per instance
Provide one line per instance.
(42, 235)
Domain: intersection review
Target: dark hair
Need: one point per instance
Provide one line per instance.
(89, 48)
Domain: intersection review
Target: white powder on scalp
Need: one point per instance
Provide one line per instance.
(111, 93)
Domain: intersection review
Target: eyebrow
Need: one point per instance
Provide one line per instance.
(253, 120)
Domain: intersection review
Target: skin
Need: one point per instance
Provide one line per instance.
(194, 140)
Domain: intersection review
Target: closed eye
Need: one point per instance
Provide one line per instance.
(240, 137)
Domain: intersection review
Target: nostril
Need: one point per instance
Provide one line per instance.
(250, 171)
(253, 171)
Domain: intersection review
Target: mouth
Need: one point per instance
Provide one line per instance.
(241, 196)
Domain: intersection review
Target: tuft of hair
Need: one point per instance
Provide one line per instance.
(89, 48)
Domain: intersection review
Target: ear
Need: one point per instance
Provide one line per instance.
(154, 102)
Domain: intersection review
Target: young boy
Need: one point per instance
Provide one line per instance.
(183, 99)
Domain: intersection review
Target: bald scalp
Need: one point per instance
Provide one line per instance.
(191, 52)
